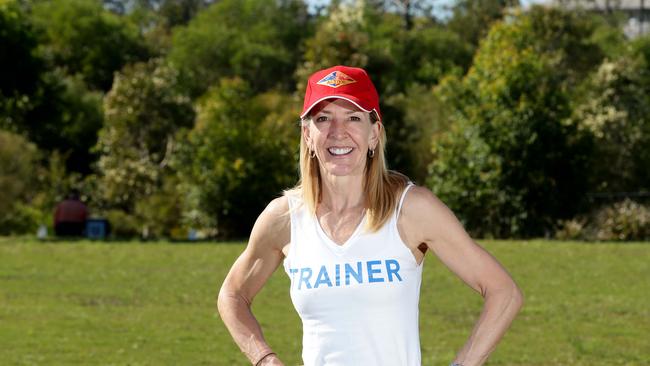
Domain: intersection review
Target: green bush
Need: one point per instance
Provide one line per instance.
(123, 225)
(161, 211)
(18, 183)
(626, 220)
(22, 219)
(240, 155)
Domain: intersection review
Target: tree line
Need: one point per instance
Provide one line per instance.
(178, 115)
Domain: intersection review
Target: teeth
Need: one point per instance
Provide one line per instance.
(339, 150)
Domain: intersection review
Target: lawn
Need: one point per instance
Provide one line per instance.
(86, 303)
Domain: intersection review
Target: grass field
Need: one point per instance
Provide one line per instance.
(87, 303)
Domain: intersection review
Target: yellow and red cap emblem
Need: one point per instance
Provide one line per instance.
(336, 79)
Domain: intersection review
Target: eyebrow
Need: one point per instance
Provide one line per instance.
(328, 112)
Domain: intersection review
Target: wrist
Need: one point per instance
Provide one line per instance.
(272, 360)
(266, 359)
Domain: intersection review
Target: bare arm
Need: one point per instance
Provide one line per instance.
(427, 220)
(248, 275)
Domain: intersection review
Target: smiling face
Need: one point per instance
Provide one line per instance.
(341, 134)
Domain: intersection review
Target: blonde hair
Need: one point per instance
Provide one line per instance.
(381, 186)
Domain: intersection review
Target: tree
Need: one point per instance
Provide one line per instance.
(513, 163)
(20, 78)
(241, 154)
(55, 111)
(256, 40)
(18, 165)
(145, 111)
(472, 19)
(155, 19)
(169, 13)
(616, 111)
(80, 37)
(65, 118)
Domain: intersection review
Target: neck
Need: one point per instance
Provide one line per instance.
(342, 193)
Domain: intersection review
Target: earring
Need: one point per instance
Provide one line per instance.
(371, 153)
(312, 153)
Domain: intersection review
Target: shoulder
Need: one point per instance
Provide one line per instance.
(276, 212)
(420, 199)
(424, 213)
(273, 226)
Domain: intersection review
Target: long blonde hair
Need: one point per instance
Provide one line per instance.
(381, 186)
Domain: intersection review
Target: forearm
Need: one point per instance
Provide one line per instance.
(500, 308)
(241, 323)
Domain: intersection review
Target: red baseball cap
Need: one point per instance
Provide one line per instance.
(350, 83)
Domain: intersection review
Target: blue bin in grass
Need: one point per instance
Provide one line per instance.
(97, 229)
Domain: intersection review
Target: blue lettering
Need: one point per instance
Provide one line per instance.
(323, 277)
(305, 275)
(338, 274)
(357, 275)
(372, 271)
(293, 272)
(392, 270)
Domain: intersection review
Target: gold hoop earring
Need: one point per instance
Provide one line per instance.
(371, 153)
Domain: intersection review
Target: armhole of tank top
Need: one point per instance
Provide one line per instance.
(292, 223)
(396, 228)
(401, 199)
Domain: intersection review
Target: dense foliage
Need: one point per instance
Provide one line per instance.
(181, 116)
(511, 164)
(240, 154)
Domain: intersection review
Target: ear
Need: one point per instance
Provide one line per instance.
(375, 131)
(306, 134)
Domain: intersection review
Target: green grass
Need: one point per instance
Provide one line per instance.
(88, 303)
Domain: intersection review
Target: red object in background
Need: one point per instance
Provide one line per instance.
(70, 217)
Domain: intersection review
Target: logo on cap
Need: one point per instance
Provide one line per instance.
(336, 79)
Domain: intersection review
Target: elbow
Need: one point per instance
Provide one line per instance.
(517, 297)
(228, 299)
(224, 300)
(221, 302)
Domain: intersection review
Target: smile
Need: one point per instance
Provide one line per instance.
(339, 151)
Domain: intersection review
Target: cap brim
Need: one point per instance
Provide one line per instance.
(344, 97)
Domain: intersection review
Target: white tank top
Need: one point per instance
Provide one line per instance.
(358, 301)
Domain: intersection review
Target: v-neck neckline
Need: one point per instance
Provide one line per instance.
(348, 242)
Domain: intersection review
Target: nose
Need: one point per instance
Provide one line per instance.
(337, 127)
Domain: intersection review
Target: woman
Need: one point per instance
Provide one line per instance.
(353, 236)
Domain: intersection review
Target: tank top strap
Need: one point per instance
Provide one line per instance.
(401, 200)
(295, 205)
(296, 217)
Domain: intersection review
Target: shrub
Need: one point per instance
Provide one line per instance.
(18, 163)
(122, 224)
(625, 220)
(239, 156)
